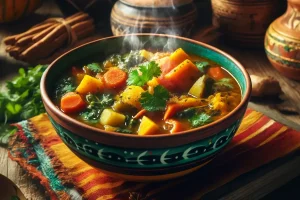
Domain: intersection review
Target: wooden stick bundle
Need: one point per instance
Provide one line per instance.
(43, 39)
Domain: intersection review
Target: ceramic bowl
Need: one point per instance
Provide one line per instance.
(153, 157)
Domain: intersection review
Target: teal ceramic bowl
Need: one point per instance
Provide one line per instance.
(145, 158)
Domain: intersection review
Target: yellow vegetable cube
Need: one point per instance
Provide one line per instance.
(131, 95)
(178, 56)
(198, 88)
(148, 127)
(112, 118)
(90, 84)
(146, 54)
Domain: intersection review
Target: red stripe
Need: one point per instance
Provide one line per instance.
(100, 192)
(85, 174)
(250, 144)
(51, 140)
(254, 127)
(248, 111)
(98, 181)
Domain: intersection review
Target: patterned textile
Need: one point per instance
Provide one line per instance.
(40, 151)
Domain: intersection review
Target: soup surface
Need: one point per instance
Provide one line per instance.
(148, 93)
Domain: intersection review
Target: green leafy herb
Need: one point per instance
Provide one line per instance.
(200, 119)
(202, 66)
(130, 122)
(123, 130)
(65, 85)
(223, 85)
(187, 113)
(95, 67)
(157, 101)
(5, 132)
(22, 98)
(126, 61)
(144, 73)
(97, 103)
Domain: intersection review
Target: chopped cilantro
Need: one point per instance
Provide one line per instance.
(148, 71)
(223, 85)
(97, 103)
(202, 66)
(64, 86)
(157, 101)
(200, 119)
(123, 130)
(95, 67)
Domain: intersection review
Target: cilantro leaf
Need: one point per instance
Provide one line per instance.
(223, 85)
(95, 67)
(123, 130)
(64, 86)
(157, 101)
(202, 66)
(200, 119)
(148, 71)
(97, 103)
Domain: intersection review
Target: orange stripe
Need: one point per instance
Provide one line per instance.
(274, 135)
(102, 186)
(249, 121)
(261, 129)
(92, 177)
(113, 195)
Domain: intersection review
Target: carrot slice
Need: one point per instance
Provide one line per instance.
(140, 114)
(115, 78)
(171, 110)
(71, 102)
(216, 72)
(176, 126)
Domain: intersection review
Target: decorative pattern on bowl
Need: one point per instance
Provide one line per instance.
(147, 158)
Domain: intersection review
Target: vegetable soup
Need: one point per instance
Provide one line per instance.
(148, 93)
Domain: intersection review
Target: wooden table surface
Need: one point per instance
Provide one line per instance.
(255, 61)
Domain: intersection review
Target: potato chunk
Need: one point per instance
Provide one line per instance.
(147, 127)
(112, 118)
(90, 84)
(131, 95)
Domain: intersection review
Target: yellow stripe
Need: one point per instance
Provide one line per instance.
(111, 196)
(79, 170)
(90, 178)
(248, 121)
(281, 130)
(103, 186)
(264, 127)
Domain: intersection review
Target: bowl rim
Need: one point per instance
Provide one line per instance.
(244, 101)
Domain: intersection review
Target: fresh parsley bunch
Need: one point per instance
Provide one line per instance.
(22, 97)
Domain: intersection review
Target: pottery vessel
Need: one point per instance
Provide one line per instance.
(175, 17)
(244, 22)
(282, 42)
(149, 157)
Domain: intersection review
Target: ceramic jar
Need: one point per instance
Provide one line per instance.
(244, 22)
(175, 17)
(282, 41)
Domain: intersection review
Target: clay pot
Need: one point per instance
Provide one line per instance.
(175, 17)
(282, 41)
(244, 22)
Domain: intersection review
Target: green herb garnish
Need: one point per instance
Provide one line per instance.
(156, 101)
(200, 119)
(222, 85)
(144, 73)
(95, 67)
(202, 66)
(97, 103)
(22, 98)
(64, 86)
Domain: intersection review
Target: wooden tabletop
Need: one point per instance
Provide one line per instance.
(254, 60)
